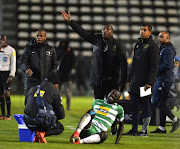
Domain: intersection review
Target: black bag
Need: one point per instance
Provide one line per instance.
(46, 117)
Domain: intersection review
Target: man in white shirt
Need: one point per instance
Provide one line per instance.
(7, 72)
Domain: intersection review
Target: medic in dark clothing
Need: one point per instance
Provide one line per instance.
(52, 97)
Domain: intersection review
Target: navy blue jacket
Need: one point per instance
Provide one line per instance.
(166, 63)
(117, 63)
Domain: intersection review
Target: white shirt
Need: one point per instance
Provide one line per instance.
(8, 60)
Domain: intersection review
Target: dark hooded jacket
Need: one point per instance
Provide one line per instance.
(106, 65)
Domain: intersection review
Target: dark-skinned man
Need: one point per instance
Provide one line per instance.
(94, 124)
(7, 72)
(37, 60)
(109, 67)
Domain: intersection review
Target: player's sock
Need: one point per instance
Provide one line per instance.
(91, 139)
(8, 104)
(2, 102)
(83, 122)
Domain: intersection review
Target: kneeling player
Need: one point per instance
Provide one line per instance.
(94, 124)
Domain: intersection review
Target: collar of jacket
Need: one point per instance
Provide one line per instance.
(107, 40)
(169, 44)
(146, 39)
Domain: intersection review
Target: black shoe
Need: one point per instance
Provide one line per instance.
(113, 130)
(142, 134)
(158, 131)
(131, 133)
(175, 125)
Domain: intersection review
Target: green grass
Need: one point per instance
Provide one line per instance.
(9, 137)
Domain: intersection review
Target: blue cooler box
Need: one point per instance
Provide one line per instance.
(25, 135)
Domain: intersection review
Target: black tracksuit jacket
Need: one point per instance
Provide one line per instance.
(32, 58)
(144, 66)
(117, 63)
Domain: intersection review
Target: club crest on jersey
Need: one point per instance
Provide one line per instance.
(5, 59)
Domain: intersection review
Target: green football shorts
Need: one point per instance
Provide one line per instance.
(87, 132)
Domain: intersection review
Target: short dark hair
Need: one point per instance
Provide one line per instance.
(41, 30)
(148, 25)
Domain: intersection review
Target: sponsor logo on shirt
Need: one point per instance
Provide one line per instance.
(103, 110)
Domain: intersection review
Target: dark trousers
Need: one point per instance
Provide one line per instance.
(28, 84)
(103, 91)
(140, 104)
(55, 130)
(160, 99)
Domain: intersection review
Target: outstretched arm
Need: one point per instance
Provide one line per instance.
(90, 37)
(120, 131)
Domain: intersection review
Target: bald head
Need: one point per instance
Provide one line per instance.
(164, 37)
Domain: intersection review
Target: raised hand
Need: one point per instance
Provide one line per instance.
(66, 16)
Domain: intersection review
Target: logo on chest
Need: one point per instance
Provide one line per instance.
(48, 53)
(146, 46)
(5, 59)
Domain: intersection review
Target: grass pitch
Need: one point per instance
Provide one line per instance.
(9, 136)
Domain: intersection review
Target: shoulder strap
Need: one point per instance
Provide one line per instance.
(39, 100)
(38, 89)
